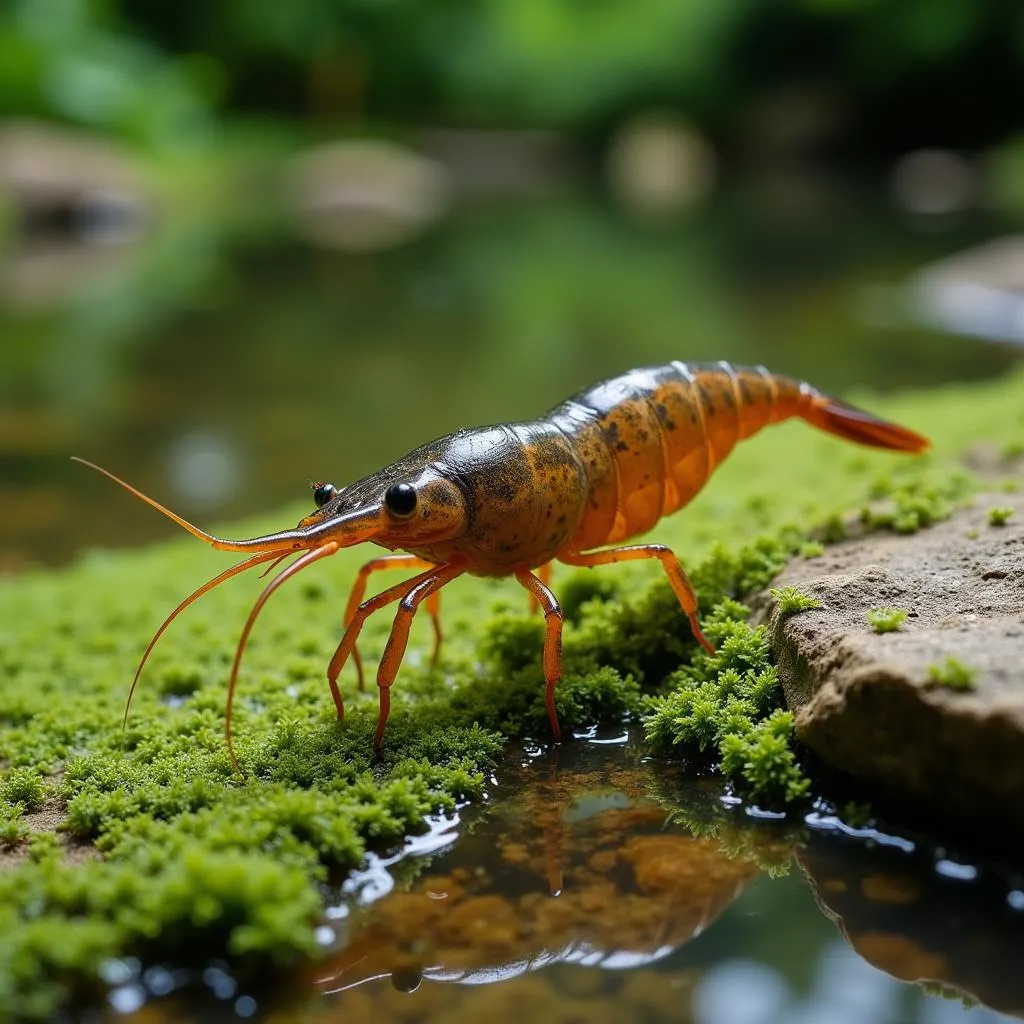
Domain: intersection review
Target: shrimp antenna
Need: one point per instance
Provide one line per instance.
(308, 558)
(285, 540)
(248, 563)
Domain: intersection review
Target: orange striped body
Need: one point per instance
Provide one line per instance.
(608, 463)
(652, 437)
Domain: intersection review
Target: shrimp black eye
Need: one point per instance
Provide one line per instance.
(322, 493)
(400, 500)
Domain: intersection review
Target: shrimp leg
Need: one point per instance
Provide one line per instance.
(544, 575)
(673, 569)
(352, 631)
(552, 642)
(358, 592)
(423, 589)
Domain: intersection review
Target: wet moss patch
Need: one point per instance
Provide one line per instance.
(197, 862)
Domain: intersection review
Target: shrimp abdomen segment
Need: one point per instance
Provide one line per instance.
(619, 417)
(650, 439)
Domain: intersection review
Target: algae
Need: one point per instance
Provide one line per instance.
(791, 600)
(198, 863)
(886, 620)
(953, 674)
(999, 515)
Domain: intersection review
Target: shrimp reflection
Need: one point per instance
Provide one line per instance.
(581, 869)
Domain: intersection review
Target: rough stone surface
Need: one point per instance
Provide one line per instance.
(864, 701)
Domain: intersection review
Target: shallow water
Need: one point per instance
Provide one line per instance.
(597, 885)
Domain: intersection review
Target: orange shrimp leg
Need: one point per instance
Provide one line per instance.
(353, 629)
(673, 569)
(355, 599)
(552, 642)
(391, 660)
(434, 611)
(544, 575)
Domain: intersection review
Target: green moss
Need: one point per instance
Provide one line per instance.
(886, 620)
(731, 704)
(832, 529)
(196, 859)
(948, 992)
(584, 587)
(953, 674)
(762, 757)
(911, 508)
(770, 844)
(812, 549)
(791, 600)
(12, 829)
(999, 515)
(23, 786)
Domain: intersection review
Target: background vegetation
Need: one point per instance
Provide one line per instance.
(164, 74)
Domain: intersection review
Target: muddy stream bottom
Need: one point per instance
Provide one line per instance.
(596, 885)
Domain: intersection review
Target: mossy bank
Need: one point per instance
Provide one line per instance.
(165, 854)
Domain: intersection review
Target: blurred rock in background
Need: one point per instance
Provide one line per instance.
(365, 194)
(658, 164)
(978, 292)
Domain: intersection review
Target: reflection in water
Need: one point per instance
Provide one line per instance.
(577, 869)
(920, 925)
(606, 887)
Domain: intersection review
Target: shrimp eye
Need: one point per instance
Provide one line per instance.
(322, 493)
(400, 500)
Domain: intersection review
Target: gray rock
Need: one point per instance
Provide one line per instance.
(362, 195)
(865, 703)
(72, 182)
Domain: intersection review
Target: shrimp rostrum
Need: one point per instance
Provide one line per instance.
(508, 500)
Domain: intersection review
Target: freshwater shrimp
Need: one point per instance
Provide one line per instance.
(508, 500)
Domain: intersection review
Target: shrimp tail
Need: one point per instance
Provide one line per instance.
(853, 424)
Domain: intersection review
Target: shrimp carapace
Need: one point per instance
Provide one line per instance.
(572, 486)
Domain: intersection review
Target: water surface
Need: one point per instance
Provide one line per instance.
(596, 884)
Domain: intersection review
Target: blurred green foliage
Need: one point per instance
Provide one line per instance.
(157, 72)
(79, 61)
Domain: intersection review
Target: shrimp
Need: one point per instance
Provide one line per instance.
(508, 500)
